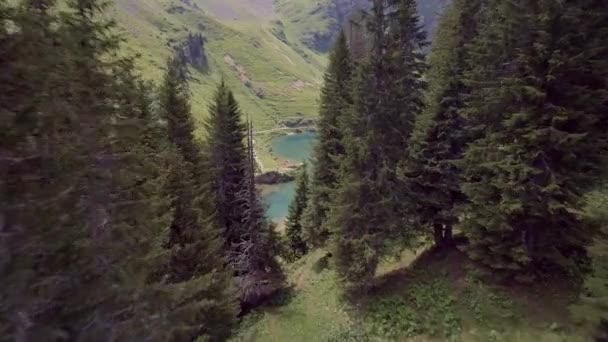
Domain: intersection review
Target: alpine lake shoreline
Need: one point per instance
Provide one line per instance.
(287, 150)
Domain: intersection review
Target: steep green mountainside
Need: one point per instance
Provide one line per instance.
(270, 79)
(272, 53)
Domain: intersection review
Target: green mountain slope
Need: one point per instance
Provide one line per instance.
(270, 79)
(315, 23)
(270, 52)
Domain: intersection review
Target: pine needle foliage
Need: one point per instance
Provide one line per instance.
(335, 106)
(295, 242)
(439, 138)
(538, 106)
(367, 212)
(250, 242)
(204, 302)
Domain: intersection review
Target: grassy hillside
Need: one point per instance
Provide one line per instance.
(437, 295)
(270, 79)
(271, 53)
(257, 47)
(433, 298)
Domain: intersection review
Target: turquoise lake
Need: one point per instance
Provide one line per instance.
(295, 147)
(277, 200)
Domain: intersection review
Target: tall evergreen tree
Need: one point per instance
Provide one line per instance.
(227, 161)
(387, 96)
(81, 186)
(538, 106)
(36, 182)
(259, 275)
(355, 217)
(402, 70)
(335, 104)
(250, 241)
(431, 178)
(296, 244)
(206, 305)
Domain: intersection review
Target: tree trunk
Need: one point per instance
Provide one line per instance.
(438, 234)
(447, 234)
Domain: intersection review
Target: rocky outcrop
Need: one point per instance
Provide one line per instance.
(337, 14)
(273, 177)
(278, 30)
(192, 51)
(298, 122)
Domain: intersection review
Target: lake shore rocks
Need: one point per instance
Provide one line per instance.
(274, 177)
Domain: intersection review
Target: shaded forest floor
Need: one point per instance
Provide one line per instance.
(431, 296)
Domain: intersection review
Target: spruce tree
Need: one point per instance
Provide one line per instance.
(258, 273)
(226, 161)
(430, 176)
(64, 252)
(335, 104)
(81, 188)
(402, 69)
(295, 242)
(367, 219)
(205, 305)
(249, 239)
(538, 106)
(355, 217)
(37, 181)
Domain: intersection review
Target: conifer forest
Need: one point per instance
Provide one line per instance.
(457, 187)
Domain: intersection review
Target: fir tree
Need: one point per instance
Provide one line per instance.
(431, 177)
(296, 245)
(538, 102)
(250, 241)
(258, 273)
(226, 161)
(335, 104)
(81, 187)
(37, 180)
(355, 217)
(206, 304)
(387, 96)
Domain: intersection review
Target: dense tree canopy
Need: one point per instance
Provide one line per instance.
(538, 104)
(117, 223)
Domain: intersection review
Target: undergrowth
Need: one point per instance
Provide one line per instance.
(424, 308)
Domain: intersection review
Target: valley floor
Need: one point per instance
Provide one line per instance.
(432, 296)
